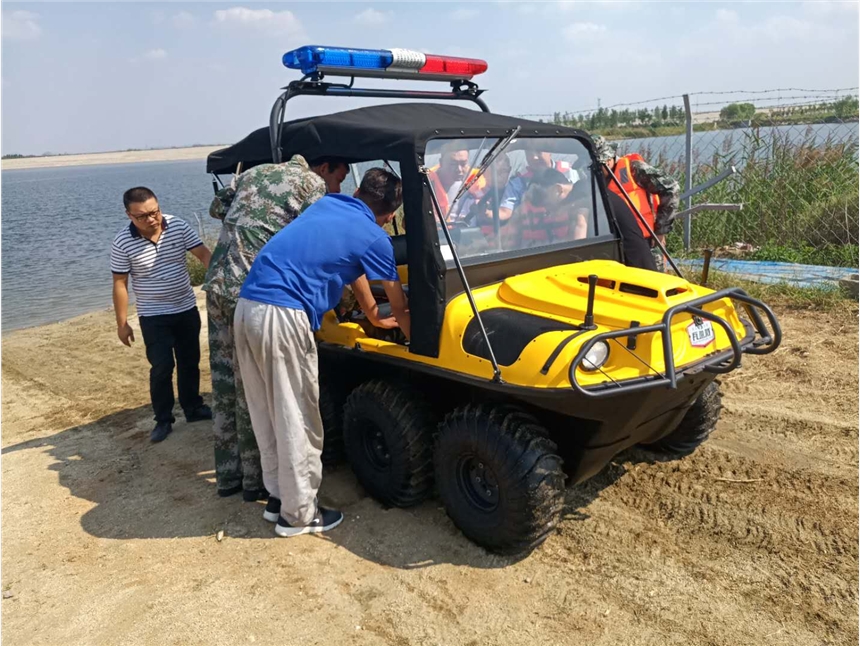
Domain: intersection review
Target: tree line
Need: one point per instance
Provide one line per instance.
(669, 117)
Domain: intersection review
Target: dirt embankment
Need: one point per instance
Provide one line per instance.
(119, 157)
(108, 539)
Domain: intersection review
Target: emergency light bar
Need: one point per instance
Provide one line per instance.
(382, 63)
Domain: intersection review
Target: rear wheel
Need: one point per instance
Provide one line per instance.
(332, 398)
(697, 425)
(499, 477)
(388, 440)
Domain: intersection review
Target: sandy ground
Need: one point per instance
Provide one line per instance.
(108, 539)
(127, 157)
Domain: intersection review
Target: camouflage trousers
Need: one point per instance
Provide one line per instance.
(237, 458)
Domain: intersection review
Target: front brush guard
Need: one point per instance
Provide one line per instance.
(758, 340)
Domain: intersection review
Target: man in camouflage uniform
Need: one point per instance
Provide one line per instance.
(654, 182)
(265, 199)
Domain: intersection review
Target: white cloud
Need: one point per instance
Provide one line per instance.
(781, 28)
(582, 30)
(372, 17)
(464, 14)
(822, 7)
(151, 55)
(282, 23)
(727, 15)
(183, 20)
(21, 25)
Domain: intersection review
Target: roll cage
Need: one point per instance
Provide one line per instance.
(400, 132)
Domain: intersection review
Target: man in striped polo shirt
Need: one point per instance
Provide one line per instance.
(151, 249)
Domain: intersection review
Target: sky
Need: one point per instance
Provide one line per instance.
(90, 77)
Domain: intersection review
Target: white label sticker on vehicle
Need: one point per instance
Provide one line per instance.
(701, 334)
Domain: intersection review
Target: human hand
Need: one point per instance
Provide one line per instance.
(389, 323)
(125, 334)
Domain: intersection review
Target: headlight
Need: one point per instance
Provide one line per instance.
(595, 357)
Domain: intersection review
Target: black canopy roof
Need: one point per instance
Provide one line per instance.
(395, 132)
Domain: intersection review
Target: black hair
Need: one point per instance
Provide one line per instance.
(136, 195)
(541, 184)
(550, 177)
(381, 190)
(333, 162)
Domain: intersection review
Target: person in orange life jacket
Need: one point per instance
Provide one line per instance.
(447, 177)
(545, 214)
(654, 192)
(536, 160)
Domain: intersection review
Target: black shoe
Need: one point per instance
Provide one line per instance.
(324, 520)
(161, 431)
(224, 493)
(273, 510)
(253, 495)
(199, 414)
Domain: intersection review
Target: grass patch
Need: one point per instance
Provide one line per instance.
(800, 197)
(825, 298)
(196, 270)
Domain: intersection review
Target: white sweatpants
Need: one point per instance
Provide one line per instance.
(278, 360)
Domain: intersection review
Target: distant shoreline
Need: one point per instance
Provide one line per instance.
(123, 157)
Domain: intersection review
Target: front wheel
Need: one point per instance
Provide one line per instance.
(697, 425)
(499, 477)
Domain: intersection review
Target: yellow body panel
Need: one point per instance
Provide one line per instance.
(560, 293)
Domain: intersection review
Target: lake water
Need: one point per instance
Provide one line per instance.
(58, 225)
(733, 142)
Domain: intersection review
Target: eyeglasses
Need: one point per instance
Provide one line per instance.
(145, 216)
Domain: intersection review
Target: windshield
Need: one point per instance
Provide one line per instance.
(538, 192)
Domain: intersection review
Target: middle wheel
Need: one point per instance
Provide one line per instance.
(388, 436)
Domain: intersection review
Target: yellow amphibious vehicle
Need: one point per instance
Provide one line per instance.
(524, 338)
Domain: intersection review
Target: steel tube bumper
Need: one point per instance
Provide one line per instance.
(761, 338)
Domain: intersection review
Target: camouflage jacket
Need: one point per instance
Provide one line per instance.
(266, 199)
(660, 183)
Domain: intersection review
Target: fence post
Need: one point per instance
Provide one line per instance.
(688, 170)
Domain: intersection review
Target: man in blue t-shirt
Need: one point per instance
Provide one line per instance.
(297, 277)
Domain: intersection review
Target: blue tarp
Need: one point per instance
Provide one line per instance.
(762, 271)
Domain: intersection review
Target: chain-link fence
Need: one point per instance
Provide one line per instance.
(795, 153)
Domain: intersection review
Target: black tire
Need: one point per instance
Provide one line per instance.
(332, 398)
(507, 453)
(388, 431)
(697, 425)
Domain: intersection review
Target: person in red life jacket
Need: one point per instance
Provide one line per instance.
(447, 177)
(536, 161)
(654, 192)
(546, 214)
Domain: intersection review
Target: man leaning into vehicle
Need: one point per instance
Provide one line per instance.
(265, 199)
(297, 277)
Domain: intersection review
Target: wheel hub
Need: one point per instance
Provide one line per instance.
(375, 447)
(478, 484)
